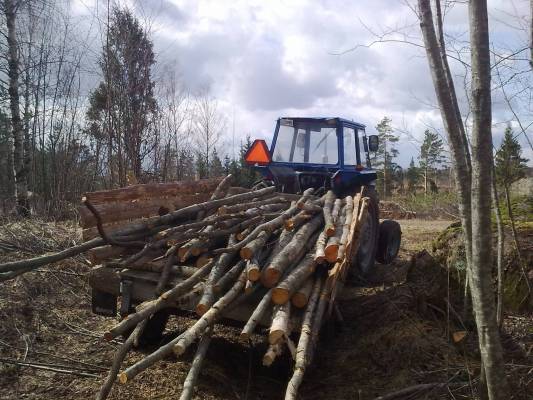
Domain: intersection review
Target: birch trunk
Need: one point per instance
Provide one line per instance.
(481, 263)
(21, 183)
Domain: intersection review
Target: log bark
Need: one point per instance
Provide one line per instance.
(258, 314)
(140, 208)
(152, 190)
(253, 270)
(302, 350)
(292, 252)
(328, 216)
(119, 357)
(346, 228)
(269, 226)
(332, 247)
(191, 334)
(280, 323)
(298, 220)
(194, 372)
(219, 269)
(294, 280)
(320, 251)
(255, 204)
(229, 277)
(273, 352)
(147, 309)
(256, 245)
(482, 160)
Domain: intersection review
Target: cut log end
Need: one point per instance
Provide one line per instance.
(299, 300)
(289, 224)
(253, 274)
(270, 277)
(330, 230)
(280, 295)
(331, 252)
(246, 253)
(201, 309)
(274, 336)
(178, 349)
(123, 378)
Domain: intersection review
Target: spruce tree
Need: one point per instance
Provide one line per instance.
(384, 156)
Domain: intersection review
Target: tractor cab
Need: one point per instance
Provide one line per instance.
(322, 153)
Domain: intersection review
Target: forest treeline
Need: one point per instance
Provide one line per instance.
(135, 126)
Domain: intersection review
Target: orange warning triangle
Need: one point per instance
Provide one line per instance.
(258, 153)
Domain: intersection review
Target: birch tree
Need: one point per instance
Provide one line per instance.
(473, 176)
(10, 9)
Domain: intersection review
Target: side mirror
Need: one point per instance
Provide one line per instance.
(373, 143)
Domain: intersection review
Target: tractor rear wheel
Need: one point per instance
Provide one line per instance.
(390, 236)
(368, 239)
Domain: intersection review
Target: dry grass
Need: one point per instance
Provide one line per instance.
(45, 317)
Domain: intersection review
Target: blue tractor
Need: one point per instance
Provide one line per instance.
(329, 154)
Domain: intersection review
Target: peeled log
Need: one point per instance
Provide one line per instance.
(294, 280)
(300, 298)
(280, 323)
(291, 253)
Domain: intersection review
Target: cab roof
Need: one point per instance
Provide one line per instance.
(329, 119)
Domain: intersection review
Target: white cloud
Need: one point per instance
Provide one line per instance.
(266, 59)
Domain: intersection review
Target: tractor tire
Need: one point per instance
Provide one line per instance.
(365, 257)
(390, 237)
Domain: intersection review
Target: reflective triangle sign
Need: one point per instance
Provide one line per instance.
(258, 153)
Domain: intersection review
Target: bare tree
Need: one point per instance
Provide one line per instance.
(475, 204)
(208, 126)
(21, 172)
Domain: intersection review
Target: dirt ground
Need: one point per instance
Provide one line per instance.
(46, 319)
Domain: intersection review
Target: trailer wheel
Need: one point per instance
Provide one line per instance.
(365, 256)
(390, 236)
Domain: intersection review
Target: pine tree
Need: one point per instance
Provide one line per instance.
(384, 156)
(413, 176)
(431, 156)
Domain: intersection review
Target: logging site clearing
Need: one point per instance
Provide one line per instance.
(400, 327)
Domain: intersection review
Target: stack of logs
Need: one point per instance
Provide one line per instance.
(282, 255)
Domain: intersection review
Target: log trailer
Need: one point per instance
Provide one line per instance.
(269, 258)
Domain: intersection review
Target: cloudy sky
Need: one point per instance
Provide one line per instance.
(265, 59)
